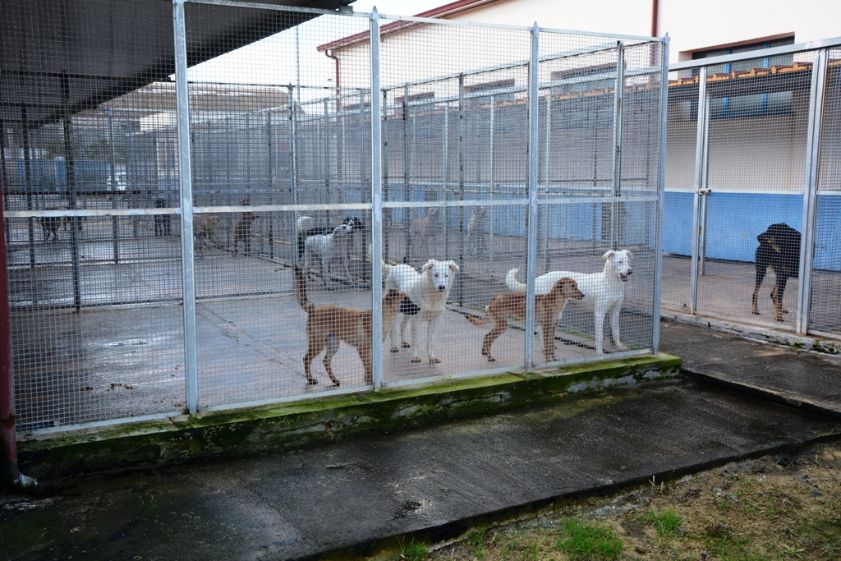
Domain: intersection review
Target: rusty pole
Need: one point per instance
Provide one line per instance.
(10, 475)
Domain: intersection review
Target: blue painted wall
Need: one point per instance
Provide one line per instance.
(735, 219)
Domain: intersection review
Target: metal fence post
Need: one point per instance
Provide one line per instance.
(384, 148)
(461, 262)
(376, 203)
(492, 180)
(407, 212)
(70, 179)
(293, 165)
(547, 151)
(115, 225)
(810, 191)
(661, 188)
(270, 182)
(27, 182)
(531, 222)
(615, 222)
(699, 181)
(188, 281)
(445, 178)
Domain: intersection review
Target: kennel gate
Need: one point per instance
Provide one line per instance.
(749, 143)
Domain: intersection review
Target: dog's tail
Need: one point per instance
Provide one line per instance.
(301, 289)
(512, 283)
(478, 322)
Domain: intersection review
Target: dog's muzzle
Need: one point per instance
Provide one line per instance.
(442, 288)
(625, 276)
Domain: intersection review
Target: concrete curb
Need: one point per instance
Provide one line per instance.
(294, 425)
(797, 401)
(823, 346)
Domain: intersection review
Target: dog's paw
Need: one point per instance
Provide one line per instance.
(336, 384)
(405, 345)
(621, 347)
(415, 360)
(433, 360)
(312, 381)
(491, 359)
(394, 349)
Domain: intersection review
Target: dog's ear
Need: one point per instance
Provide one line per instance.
(428, 266)
(608, 254)
(453, 266)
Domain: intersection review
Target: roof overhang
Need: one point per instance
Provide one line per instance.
(66, 56)
(445, 11)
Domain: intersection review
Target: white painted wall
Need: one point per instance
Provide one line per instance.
(691, 25)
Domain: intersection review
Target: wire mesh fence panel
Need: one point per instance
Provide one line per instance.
(264, 331)
(94, 283)
(681, 144)
(598, 191)
(755, 169)
(826, 276)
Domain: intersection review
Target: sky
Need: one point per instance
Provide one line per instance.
(273, 61)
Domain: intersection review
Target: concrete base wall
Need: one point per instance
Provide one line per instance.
(287, 426)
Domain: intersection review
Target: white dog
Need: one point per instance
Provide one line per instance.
(326, 247)
(423, 229)
(604, 292)
(426, 295)
(476, 231)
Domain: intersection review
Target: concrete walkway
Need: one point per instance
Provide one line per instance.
(351, 496)
(805, 379)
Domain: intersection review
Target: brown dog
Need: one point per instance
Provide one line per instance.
(242, 228)
(327, 325)
(546, 307)
(205, 228)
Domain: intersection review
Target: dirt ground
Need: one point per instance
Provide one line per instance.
(774, 508)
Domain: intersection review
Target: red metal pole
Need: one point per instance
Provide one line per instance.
(10, 475)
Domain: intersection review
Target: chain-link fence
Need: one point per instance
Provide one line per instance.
(750, 222)
(202, 243)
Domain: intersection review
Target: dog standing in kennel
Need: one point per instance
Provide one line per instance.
(779, 248)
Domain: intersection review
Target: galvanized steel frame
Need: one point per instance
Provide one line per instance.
(820, 50)
(378, 98)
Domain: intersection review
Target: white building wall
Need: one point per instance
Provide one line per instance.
(691, 25)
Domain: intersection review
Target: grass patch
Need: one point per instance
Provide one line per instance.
(776, 508)
(665, 522)
(587, 542)
(414, 551)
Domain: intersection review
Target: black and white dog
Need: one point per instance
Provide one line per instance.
(305, 227)
(326, 243)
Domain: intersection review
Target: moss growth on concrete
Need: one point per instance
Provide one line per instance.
(293, 425)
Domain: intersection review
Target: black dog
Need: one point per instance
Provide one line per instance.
(50, 226)
(779, 248)
(355, 223)
(163, 222)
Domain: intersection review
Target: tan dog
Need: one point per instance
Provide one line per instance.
(205, 227)
(546, 308)
(327, 325)
(242, 228)
(423, 229)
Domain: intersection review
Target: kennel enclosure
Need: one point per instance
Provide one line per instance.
(151, 222)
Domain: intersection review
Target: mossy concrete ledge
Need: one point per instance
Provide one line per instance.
(293, 425)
